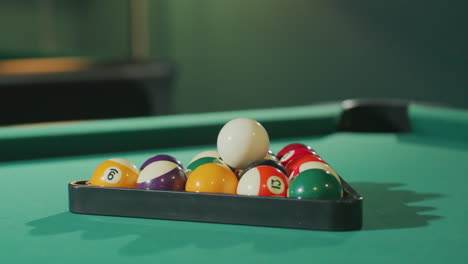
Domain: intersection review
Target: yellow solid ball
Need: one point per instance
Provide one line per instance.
(119, 173)
(212, 178)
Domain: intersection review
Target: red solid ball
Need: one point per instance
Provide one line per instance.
(290, 147)
(295, 154)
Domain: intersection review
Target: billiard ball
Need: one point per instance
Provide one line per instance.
(115, 172)
(295, 154)
(265, 162)
(293, 164)
(313, 165)
(212, 178)
(242, 142)
(159, 158)
(207, 153)
(271, 156)
(290, 147)
(197, 163)
(162, 175)
(263, 181)
(315, 184)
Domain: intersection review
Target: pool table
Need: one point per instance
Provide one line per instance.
(408, 161)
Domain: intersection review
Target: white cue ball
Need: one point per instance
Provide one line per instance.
(242, 141)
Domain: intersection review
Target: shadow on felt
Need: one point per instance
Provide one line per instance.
(388, 206)
(155, 236)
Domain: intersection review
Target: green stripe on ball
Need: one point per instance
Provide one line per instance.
(197, 163)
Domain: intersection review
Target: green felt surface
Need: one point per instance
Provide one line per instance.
(414, 206)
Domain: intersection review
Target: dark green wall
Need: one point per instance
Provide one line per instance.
(263, 53)
(104, 28)
(19, 27)
(74, 28)
(266, 53)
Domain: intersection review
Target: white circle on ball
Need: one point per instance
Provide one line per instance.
(275, 184)
(242, 141)
(287, 156)
(112, 175)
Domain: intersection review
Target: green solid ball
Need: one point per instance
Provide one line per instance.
(315, 184)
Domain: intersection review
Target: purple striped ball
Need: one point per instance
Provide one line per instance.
(159, 158)
(162, 175)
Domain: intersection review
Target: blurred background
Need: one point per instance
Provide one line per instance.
(68, 59)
